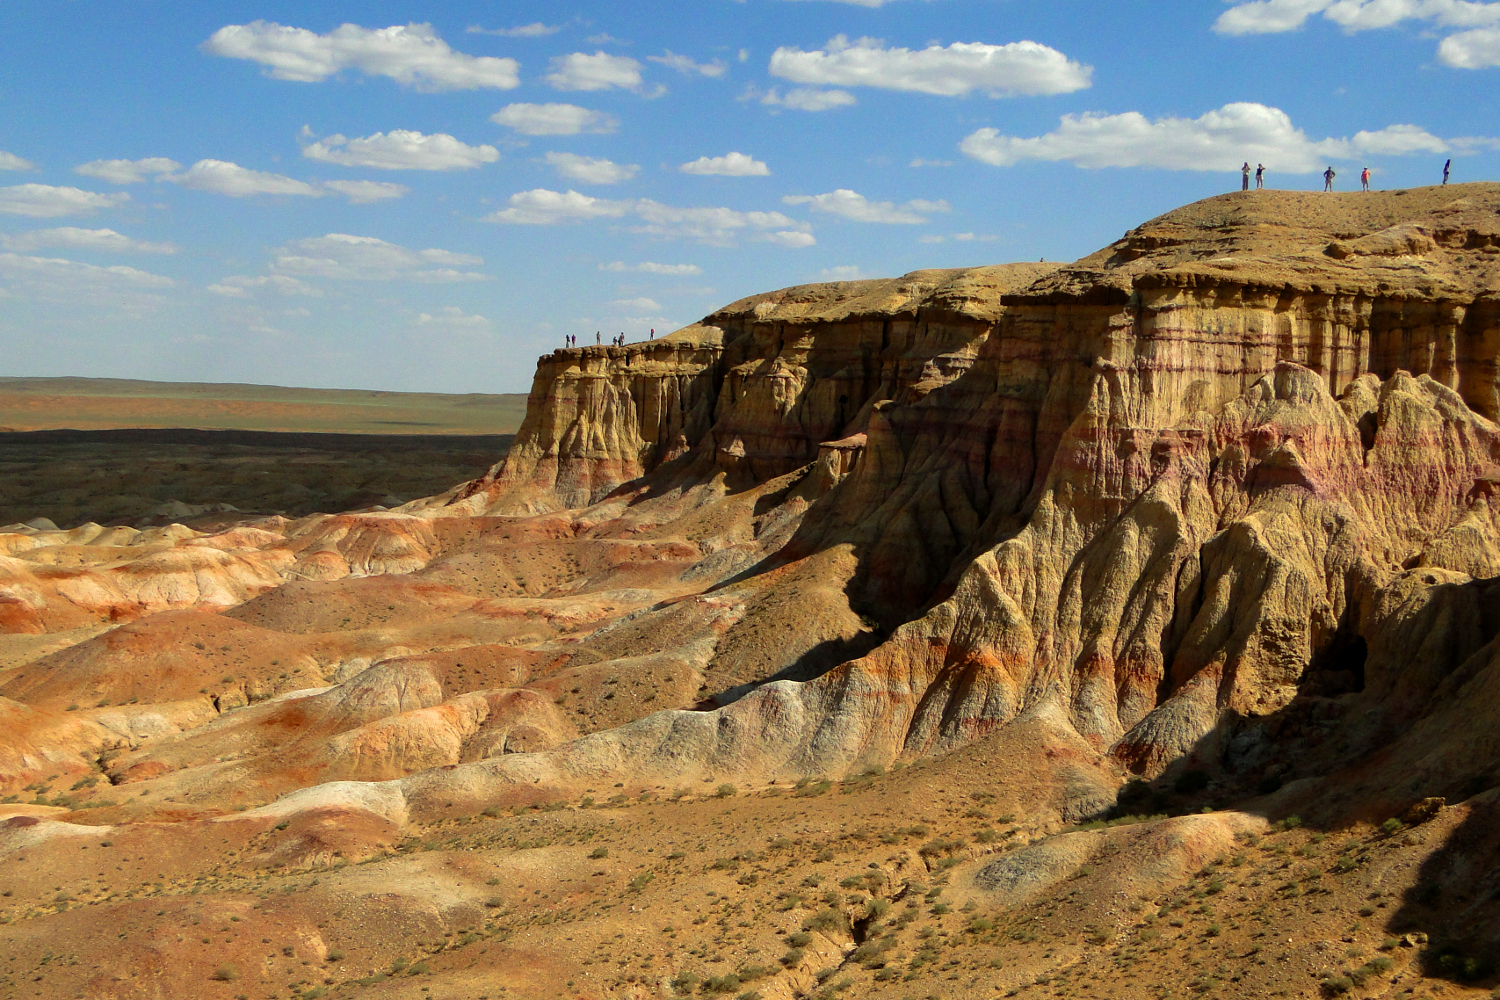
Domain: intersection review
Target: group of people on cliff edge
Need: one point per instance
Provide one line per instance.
(571, 340)
(1328, 176)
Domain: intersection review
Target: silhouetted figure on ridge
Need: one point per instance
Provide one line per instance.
(1260, 176)
(1364, 178)
(1328, 176)
(1245, 176)
(1447, 169)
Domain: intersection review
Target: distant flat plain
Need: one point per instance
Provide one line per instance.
(120, 451)
(36, 404)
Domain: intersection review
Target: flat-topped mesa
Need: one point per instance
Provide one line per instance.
(752, 389)
(1154, 485)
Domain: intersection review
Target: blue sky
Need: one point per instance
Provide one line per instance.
(423, 196)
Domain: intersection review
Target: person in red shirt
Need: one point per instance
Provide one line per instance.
(1364, 178)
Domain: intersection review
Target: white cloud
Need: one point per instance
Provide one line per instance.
(223, 177)
(235, 181)
(541, 207)
(847, 272)
(599, 71)
(805, 99)
(69, 281)
(588, 170)
(365, 192)
(1219, 141)
(241, 286)
(401, 150)
(647, 267)
(365, 258)
(534, 30)
(43, 201)
(728, 165)
(73, 238)
(684, 65)
(10, 161)
(1471, 49)
(707, 225)
(855, 207)
(553, 119)
(637, 305)
(1267, 16)
(410, 54)
(128, 171)
(919, 162)
(454, 320)
(790, 239)
(1019, 68)
(1272, 16)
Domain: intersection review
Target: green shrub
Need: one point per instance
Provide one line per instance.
(225, 974)
(726, 791)
(793, 957)
(826, 921)
(599, 852)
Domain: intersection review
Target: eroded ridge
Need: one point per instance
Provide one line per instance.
(1203, 519)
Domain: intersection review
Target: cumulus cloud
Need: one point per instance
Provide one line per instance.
(43, 201)
(1476, 49)
(1219, 141)
(846, 272)
(1272, 16)
(10, 161)
(454, 320)
(401, 150)
(242, 286)
(553, 119)
(855, 207)
(707, 225)
(541, 207)
(686, 66)
(800, 98)
(790, 238)
(73, 238)
(534, 30)
(365, 258)
(588, 170)
(54, 278)
(128, 171)
(728, 165)
(235, 181)
(223, 177)
(412, 55)
(641, 304)
(366, 192)
(1016, 69)
(648, 267)
(600, 71)
(804, 98)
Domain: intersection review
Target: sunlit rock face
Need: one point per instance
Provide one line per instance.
(1144, 500)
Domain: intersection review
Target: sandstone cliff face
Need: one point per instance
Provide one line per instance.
(1136, 494)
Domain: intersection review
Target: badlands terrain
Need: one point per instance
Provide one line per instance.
(1123, 628)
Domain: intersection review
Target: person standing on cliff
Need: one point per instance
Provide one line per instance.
(597, 342)
(1447, 169)
(1364, 178)
(653, 333)
(1245, 176)
(1328, 176)
(1260, 176)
